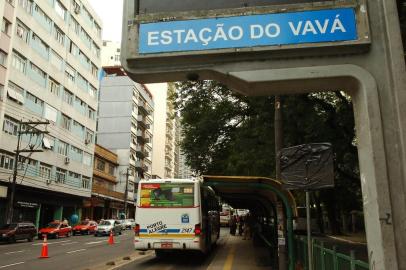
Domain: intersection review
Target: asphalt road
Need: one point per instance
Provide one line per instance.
(75, 252)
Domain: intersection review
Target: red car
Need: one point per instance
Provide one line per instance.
(85, 227)
(55, 230)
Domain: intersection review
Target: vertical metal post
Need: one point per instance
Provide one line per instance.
(126, 192)
(10, 210)
(309, 232)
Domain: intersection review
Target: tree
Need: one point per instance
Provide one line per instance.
(229, 134)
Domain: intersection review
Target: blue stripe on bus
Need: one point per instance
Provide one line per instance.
(164, 230)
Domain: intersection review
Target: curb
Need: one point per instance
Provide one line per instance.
(129, 259)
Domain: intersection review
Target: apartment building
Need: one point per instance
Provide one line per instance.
(105, 202)
(183, 171)
(52, 60)
(164, 152)
(125, 125)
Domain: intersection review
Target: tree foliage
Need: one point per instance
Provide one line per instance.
(229, 134)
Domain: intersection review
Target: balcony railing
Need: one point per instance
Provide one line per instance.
(98, 189)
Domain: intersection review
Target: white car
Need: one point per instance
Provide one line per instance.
(128, 223)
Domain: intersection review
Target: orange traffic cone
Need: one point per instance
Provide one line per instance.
(44, 251)
(111, 239)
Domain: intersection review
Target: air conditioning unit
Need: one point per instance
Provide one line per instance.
(77, 8)
(87, 141)
(67, 160)
(20, 32)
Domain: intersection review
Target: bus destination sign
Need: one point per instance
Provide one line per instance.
(291, 28)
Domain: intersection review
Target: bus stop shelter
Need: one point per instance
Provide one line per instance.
(259, 194)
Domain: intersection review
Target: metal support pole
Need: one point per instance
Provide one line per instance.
(126, 192)
(309, 232)
(10, 210)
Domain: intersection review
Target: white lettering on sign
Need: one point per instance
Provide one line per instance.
(256, 31)
(330, 25)
(156, 227)
(303, 28)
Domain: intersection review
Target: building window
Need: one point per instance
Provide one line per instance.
(38, 71)
(68, 97)
(22, 31)
(53, 86)
(42, 14)
(63, 148)
(59, 35)
(41, 44)
(91, 113)
(60, 10)
(98, 30)
(26, 5)
(85, 182)
(70, 73)
(19, 62)
(95, 49)
(101, 165)
(6, 27)
(87, 159)
(45, 171)
(93, 91)
(6, 161)
(56, 60)
(74, 23)
(66, 122)
(3, 58)
(50, 113)
(89, 136)
(73, 49)
(32, 98)
(94, 70)
(10, 125)
(74, 175)
(60, 175)
(111, 169)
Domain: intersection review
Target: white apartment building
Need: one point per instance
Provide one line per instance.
(50, 58)
(125, 124)
(110, 53)
(164, 151)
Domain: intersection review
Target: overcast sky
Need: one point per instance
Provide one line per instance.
(110, 11)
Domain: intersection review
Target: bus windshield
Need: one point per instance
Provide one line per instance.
(167, 195)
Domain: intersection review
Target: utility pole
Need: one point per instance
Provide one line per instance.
(278, 147)
(30, 129)
(127, 174)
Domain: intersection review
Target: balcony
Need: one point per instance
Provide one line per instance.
(142, 107)
(98, 189)
(104, 175)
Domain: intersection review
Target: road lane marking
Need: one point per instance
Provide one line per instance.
(74, 251)
(51, 243)
(229, 260)
(8, 265)
(12, 252)
(96, 242)
(70, 243)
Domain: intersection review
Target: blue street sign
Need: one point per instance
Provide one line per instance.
(331, 25)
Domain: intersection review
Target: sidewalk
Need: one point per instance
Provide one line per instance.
(238, 254)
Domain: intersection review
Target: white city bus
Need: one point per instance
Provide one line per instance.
(176, 214)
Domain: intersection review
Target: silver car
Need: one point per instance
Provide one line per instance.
(128, 223)
(108, 225)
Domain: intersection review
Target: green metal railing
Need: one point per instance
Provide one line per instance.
(326, 258)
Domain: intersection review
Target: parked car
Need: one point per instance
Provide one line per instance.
(85, 227)
(55, 229)
(108, 225)
(128, 223)
(18, 231)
